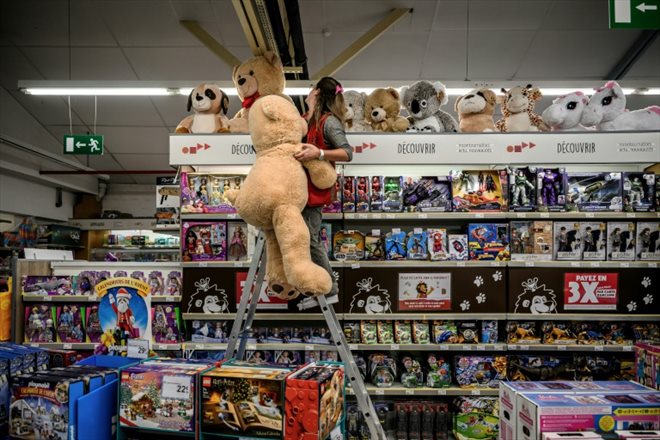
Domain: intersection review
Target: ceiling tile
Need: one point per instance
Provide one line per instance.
(100, 64)
(445, 62)
(582, 15)
(15, 66)
(52, 62)
(507, 15)
(115, 110)
(34, 22)
(48, 110)
(315, 50)
(648, 67)
(144, 161)
(138, 140)
(496, 55)
(452, 14)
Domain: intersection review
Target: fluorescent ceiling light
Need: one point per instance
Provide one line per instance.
(99, 91)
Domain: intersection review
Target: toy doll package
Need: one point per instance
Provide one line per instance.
(392, 196)
(416, 245)
(621, 241)
(348, 194)
(204, 193)
(335, 198)
(165, 324)
(437, 244)
(531, 240)
(204, 241)
(40, 322)
(594, 239)
(376, 194)
(238, 241)
(362, 196)
(70, 323)
(567, 240)
(648, 241)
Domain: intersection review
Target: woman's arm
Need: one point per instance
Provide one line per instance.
(338, 148)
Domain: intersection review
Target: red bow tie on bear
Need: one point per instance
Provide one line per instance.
(247, 102)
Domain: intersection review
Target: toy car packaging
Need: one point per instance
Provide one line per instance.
(567, 241)
(594, 240)
(531, 240)
(479, 190)
(376, 194)
(348, 245)
(551, 189)
(348, 194)
(416, 245)
(335, 198)
(589, 191)
(488, 241)
(522, 189)
(203, 193)
(204, 241)
(392, 197)
(621, 241)
(315, 398)
(437, 244)
(638, 192)
(458, 247)
(648, 241)
(362, 196)
(395, 245)
(480, 371)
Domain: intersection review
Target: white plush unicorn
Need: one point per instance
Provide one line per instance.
(606, 111)
(565, 112)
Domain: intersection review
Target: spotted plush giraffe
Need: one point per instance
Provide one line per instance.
(517, 106)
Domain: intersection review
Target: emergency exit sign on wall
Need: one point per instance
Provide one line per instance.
(83, 144)
(635, 14)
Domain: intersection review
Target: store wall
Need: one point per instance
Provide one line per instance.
(25, 197)
(137, 200)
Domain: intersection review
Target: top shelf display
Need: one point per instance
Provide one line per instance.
(445, 149)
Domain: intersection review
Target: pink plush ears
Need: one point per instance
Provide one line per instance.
(441, 92)
(273, 59)
(612, 85)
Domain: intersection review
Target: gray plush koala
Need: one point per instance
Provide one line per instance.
(355, 111)
(423, 100)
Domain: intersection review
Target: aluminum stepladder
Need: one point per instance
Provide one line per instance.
(243, 325)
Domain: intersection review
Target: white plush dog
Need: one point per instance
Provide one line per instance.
(210, 105)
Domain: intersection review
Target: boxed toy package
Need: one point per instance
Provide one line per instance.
(531, 240)
(47, 285)
(437, 244)
(385, 332)
(403, 332)
(551, 189)
(395, 245)
(567, 241)
(421, 332)
(480, 371)
(489, 332)
(362, 196)
(445, 332)
(416, 245)
(348, 245)
(475, 418)
(206, 192)
(238, 241)
(488, 241)
(438, 373)
(559, 332)
(382, 370)
(522, 332)
(638, 192)
(432, 194)
(335, 198)
(70, 323)
(594, 240)
(409, 193)
(165, 324)
(458, 247)
(411, 374)
(647, 364)
(522, 189)
(204, 241)
(40, 322)
(479, 190)
(374, 247)
(209, 331)
(540, 367)
(392, 197)
(325, 237)
(348, 194)
(376, 195)
(594, 191)
(621, 241)
(648, 241)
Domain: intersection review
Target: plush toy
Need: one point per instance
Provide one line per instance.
(381, 111)
(210, 105)
(606, 111)
(518, 110)
(423, 100)
(475, 111)
(355, 111)
(275, 192)
(259, 76)
(565, 112)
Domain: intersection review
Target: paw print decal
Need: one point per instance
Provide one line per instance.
(632, 306)
(481, 298)
(335, 275)
(497, 276)
(646, 282)
(465, 305)
(648, 299)
(478, 281)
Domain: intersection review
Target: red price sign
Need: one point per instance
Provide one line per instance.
(267, 299)
(591, 291)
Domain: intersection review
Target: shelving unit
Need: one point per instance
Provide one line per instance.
(398, 390)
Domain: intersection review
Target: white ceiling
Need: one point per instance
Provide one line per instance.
(450, 40)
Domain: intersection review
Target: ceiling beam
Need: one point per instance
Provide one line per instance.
(362, 43)
(247, 16)
(211, 43)
(632, 55)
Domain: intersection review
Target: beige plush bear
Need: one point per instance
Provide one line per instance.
(475, 111)
(259, 76)
(381, 111)
(274, 194)
(210, 105)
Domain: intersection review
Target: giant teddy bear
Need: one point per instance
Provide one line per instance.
(274, 194)
(259, 76)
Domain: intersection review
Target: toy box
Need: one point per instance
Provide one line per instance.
(48, 285)
(165, 319)
(458, 247)
(531, 240)
(409, 193)
(468, 332)
(395, 245)
(239, 399)
(376, 194)
(480, 371)
(362, 196)
(439, 372)
(238, 241)
(70, 323)
(44, 404)
(594, 240)
(156, 283)
(522, 332)
(621, 241)
(204, 241)
(489, 332)
(40, 322)
(416, 245)
(348, 245)
(540, 367)
(522, 189)
(647, 364)
(369, 332)
(421, 332)
(315, 398)
(348, 194)
(403, 332)
(204, 193)
(93, 324)
(385, 332)
(567, 242)
(648, 241)
(382, 370)
(589, 333)
(209, 331)
(325, 237)
(488, 241)
(445, 332)
(475, 418)
(479, 190)
(392, 194)
(374, 247)
(538, 413)
(434, 194)
(551, 189)
(559, 332)
(335, 198)
(437, 244)
(638, 192)
(594, 191)
(590, 367)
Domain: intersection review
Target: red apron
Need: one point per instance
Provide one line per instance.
(317, 197)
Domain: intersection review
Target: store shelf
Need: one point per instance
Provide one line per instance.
(234, 216)
(294, 346)
(282, 316)
(225, 264)
(165, 347)
(64, 345)
(585, 264)
(427, 347)
(421, 316)
(569, 347)
(580, 317)
(398, 390)
(60, 298)
(122, 224)
(424, 215)
(422, 263)
(165, 298)
(581, 215)
(138, 248)
(118, 265)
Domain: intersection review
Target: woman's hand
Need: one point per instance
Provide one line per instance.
(308, 152)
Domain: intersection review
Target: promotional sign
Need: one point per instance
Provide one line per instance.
(267, 299)
(167, 192)
(634, 14)
(83, 144)
(591, 291)
(424, 291)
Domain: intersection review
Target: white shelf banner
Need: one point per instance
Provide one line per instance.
(454, 148)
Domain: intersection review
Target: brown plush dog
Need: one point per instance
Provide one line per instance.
(475, 111)
(210, 105)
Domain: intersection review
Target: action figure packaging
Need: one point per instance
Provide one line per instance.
(362, 197)
(393, 199)
(438, 374)
(204, 241)
(409, 193)
(647, 364)
(648, 241)
(488, 241)
(589, 333)
(427, 194)
(325, 237)
(385, 332)
(489, 332)
(334, 205)
(318, 389)
(594, 191)
(238, 241)
(480, 190)
(480, 371)
(567, 241)
(348, 194)
(445, 332)
(522, 189)
(522, 332)
(437, 244)
(616, 333)
(374, 247)
(416, 245)
(560, 332)
(165, 328)
(403, 332)
(638, 192)
(621, 241)
(551, 189)
(395, 245)
(458, 247)
(70, 323)
(594, 240)
(348, 245)
(531, 240)
(411, 374)
(203, 193)
(376, 194)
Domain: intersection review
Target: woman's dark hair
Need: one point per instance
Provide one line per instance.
(329, 100)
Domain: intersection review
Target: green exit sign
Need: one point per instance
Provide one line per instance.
(83, 144)
(634, 14)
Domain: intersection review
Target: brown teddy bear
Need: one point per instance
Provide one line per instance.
(475, 111)
(275, 192)
(259, 76)
(381, 111)
(210, 105)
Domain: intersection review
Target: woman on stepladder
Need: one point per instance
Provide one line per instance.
(326, 140)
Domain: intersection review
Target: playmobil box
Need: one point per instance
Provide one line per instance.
(647, 364)
(242, 399)
(594, 191)
(315, 399)
(204, 241)
(638, 192)
(621, 241)
(488, 241)
(44, 403)
(600, 412)
(531, 240)
(648, 241)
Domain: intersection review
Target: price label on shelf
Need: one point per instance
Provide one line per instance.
(545, 215)
(203, 264)
(524, 347)
(394, 346)
(590, 214)
(67, 346)
(653, 265)
(138, 348)
(92, 298)
(379, 392)
(309, 348)
(630, 214)
(169, 299)
(396, 230)
(48, 298)
(34, 345)
(595, 264)
(467, 347)
(199, 346)
(598, 348)
(575, 264)
(529, 264)
(352, 347)
(390, 216)
(376, 216)
(355, 265)
(251, 347)
(561, 347)
(231, 216)
(375, 232)
(627, 348)
(410, 392)
(623, 264)
(422, 215)
(441, 392)
(460, 263)
(362, 215)
(176, 387)
(476, 392)
(417, 230)
(444, 347)
(481, 347)
(521, 215)
(479, 215)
